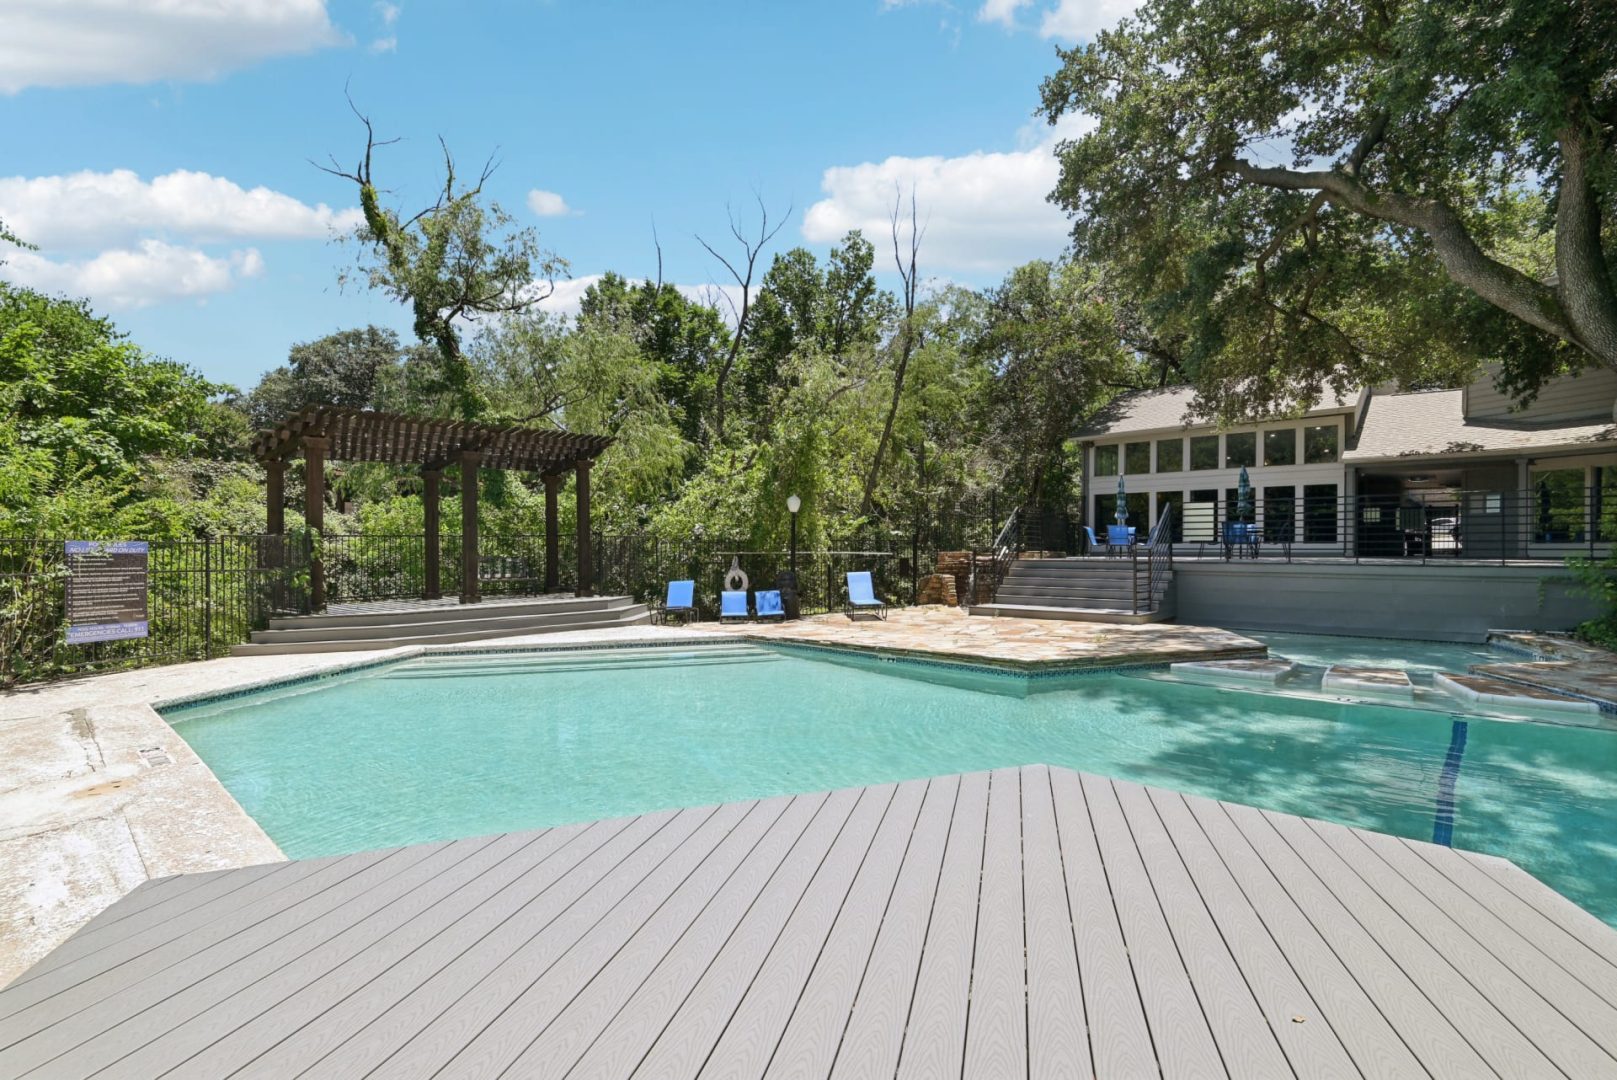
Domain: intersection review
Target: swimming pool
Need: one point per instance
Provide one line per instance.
(453, 746)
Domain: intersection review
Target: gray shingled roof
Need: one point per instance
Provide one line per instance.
(1157, 410)
(1433, 422)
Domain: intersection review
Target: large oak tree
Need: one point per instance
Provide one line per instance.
(1318, 191)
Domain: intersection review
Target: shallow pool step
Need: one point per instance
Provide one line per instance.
(1368, 682)
(1266, 671)
(595, 662)
(1493, 693)
(459, 626)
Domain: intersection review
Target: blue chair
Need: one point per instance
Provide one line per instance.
(1119, 538)
(733, 605)
(681, 601)
(1241, 538)
(862, 594)
(768, 604)
(1094, 543)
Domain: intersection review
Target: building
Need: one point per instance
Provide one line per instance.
(1458, 473)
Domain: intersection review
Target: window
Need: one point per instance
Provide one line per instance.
(1604, 511)
(1319, 444)
(1175, 500)
(1170, 455)
(1241, 449)
(1137, 458)
(1557, 507)
(1204, 451)
(1136, 510)
(1106, 460)
(1319, 513)
(1280, 514)
(1280, 447)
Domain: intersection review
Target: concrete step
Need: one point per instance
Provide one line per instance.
(452, 611)
(634, 615)
(1119, 603)
(1093, 588)
(1043, 611)
(495, 618)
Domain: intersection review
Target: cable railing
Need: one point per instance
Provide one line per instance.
(1158, 562)
(1550, 524)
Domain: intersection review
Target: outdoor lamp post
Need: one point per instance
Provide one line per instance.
(794, 504)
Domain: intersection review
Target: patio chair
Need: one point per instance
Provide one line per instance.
(733, 605)
(681, 601)
(1119, 538)
(768, 604)
(1241, 539)
(862, 594)
(1093, 542)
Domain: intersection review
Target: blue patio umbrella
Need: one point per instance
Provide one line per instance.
(1121, 514)
(1243, 497)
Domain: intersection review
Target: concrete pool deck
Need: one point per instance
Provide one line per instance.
(1022, 645)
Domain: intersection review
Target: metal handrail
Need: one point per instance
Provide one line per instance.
(1158, 559)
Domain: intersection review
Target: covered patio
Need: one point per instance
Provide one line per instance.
(320, 433)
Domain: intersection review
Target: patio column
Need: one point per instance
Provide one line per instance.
(314, 511)
(469, 461)
(430, 479)
(552, 531)
(275, 497)
(586, 571)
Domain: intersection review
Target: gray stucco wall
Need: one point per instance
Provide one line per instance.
(1432, 602)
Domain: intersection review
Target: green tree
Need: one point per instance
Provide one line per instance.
(345, 369)
(462, 257)
(1300, 188)
(1051, 338)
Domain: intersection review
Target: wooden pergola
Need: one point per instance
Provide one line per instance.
(320, 434)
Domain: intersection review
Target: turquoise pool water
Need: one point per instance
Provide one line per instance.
(1416, 657)
(456, 747)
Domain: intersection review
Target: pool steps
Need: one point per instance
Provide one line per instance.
(352, 632)
(1079, 590)
(428, 668)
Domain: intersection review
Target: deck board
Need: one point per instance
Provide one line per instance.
(1031, 921)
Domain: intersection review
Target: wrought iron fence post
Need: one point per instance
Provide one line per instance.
(207, 597)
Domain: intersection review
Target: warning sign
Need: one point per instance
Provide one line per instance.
(106, 590)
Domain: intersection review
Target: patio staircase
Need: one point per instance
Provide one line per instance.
(1081, 589)
(360, 627)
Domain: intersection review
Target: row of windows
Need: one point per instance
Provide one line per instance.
(1240, 450)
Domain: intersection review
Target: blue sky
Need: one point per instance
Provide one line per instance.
(158, 153)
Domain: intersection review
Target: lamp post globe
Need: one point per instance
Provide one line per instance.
(794, 504)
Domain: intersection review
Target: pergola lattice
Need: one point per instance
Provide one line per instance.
(320, 433)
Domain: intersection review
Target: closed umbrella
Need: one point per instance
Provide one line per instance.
(1121, 514)
(1243, 497)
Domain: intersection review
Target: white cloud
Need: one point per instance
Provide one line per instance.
(151, 272)
(101, 209)
(388, 13)
(1000, 11)
(1081, 20)
(384, 44)
(549, 204)
(90, 42)
(983, 212)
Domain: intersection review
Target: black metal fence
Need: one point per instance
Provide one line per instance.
(203, 596)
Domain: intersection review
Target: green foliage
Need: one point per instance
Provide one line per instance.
(1597, 578)
(346, 369)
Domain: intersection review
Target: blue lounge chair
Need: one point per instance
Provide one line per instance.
(732, 605)
(862, 594)
(681, 601)
(768, 604)
(1094, 542)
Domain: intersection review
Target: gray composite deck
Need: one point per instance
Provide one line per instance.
(1027, 922)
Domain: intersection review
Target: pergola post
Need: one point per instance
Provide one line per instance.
(552, 531)
(469, 460)
(314, 511)
(586, 570)
(275, 497)
(429, 505)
